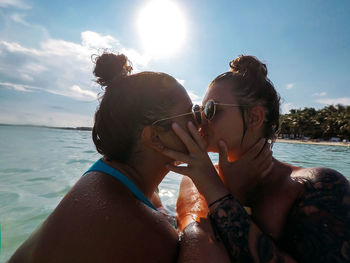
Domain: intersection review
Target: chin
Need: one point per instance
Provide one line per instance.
(212, 148)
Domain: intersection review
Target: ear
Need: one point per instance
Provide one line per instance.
(150, 137)
(256, 117)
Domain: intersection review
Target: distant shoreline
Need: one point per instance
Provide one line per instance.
(314, 143)
(49, 127)
(327, 143)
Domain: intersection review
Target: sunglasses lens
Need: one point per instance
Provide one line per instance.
(209, 110)
(197, 113)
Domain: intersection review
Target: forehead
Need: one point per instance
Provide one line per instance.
(220, 92)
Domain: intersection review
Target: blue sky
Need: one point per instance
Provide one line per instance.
(45, 49)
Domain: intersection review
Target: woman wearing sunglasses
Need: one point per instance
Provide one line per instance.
(295, 214)
(112, 214)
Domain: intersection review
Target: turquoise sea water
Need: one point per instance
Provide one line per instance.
(39, 165)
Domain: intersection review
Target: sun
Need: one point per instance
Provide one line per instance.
(162, 28)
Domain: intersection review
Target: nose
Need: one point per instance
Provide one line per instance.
(204, 126)
(204, 120)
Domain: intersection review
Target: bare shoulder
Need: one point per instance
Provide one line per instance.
(99, 220)
(322, 174)
(319, 225)
(325, 184)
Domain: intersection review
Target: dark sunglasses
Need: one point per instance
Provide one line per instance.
(209, 110)
(196, 111)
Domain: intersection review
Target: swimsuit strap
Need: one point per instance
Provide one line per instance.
(100, 166)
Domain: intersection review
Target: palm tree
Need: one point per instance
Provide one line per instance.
(330, 121)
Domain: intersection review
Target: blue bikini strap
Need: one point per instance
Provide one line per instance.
(100, 166)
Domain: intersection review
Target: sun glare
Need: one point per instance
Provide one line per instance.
(162, 28)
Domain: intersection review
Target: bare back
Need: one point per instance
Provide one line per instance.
(99, 220)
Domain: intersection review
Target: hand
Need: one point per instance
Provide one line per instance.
(241, 176)
(199, 166)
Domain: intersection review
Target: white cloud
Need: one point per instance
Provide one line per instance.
(13, 20)
(48, 118)
(334, 101)
(81, 92)
(196, 99)
(94, 40)
(74, 92)
(58, 66)
(134, 56)
(18, 87)
(14, 3)
(14, 47)
(34, 68)
(26, 77)
(290, 86)
(181, 81)
(286, 107)
(320, 94)
(19, 18)
(32, 61)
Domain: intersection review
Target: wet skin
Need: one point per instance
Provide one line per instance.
(298, 215)
(99, 219)
(198, 239)
(315, 229)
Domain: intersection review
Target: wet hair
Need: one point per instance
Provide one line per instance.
(129, 103)
(251, 86)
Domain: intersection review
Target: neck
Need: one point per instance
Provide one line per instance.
(270, 183)
(145, 171)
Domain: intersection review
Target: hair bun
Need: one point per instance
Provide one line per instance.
(111, 67)
(248, 65)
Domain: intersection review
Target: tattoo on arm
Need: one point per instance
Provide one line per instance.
(265, 248)
(237, 231)
(317, 230)
(319, 226)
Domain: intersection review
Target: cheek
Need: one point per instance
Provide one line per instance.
(229, 131)
(173, 142)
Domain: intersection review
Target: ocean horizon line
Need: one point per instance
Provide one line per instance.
(82, 128)
(279, 140)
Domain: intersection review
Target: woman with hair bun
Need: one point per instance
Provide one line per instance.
(112, 214)
(294, 214)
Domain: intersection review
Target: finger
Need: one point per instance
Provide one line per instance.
(197, 137)
(177, 156)
(264, 165)
(266, 153)
(178, 169)
(185, 138)
(223, 152)
(268, 170)
(254, 151)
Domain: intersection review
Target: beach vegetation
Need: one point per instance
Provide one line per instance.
(332, 121)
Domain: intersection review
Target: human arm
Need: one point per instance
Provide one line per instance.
(317, 230)
(198, 242)
(243, 239)
(256, 162)
(198, 167)
(191, 205)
